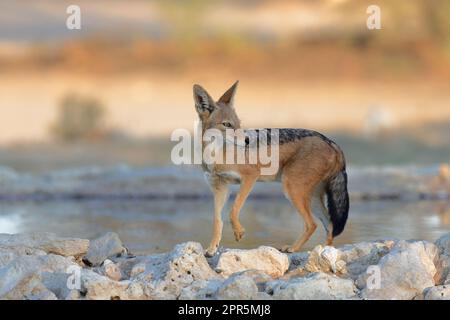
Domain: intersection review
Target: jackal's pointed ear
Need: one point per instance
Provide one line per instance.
(228, 97)
(204, 104)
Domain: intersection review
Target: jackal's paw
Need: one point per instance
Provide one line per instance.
(210, 252)
(239, 233)
(287, 249)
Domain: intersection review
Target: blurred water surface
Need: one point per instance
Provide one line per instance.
(156, 226)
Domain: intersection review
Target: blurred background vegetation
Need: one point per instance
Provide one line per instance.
(114, 90)
(179, 35)
(79, 118)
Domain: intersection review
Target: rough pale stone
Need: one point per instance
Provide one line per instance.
(111, 270)
(443, 243)
(266, 259)
(127, 264)
(324, 259)
(437, 293)
(46, 242)
(443, 270)
(358, 257)
(135, 291)
(73, 295)
(200, 290)
(297, 260)
(404, 272)
(100, 249)
(349, 261)
(29, 287)
(259, 277)
(409, 270)
(8, 254)
(238, 287)
(56, 282)
(98, 287)
(14, 274)
(137, 269)
(166, 274)
(315, 286)
(263, 296)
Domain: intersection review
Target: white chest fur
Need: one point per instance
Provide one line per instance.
(232, 175)
(229, 176)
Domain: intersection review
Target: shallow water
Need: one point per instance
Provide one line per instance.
(155, 226)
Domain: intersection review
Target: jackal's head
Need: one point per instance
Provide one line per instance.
(220, 114)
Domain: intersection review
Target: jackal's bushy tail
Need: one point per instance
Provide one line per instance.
(338, 201)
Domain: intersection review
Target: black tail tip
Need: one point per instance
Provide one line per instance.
(340, 220)
(337, 230)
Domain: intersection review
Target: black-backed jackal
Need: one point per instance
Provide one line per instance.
(311, 167)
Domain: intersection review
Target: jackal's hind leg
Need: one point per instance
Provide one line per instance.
(321, 212)
(299, 194)
(329, 238)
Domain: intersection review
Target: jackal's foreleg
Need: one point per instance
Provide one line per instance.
(220, 190)
(247, 184)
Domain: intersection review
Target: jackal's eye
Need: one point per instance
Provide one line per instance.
(227, 124)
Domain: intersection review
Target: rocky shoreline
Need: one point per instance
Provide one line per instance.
(187, 182)
(45, 266)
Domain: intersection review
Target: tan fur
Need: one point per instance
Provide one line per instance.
(304, 166)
